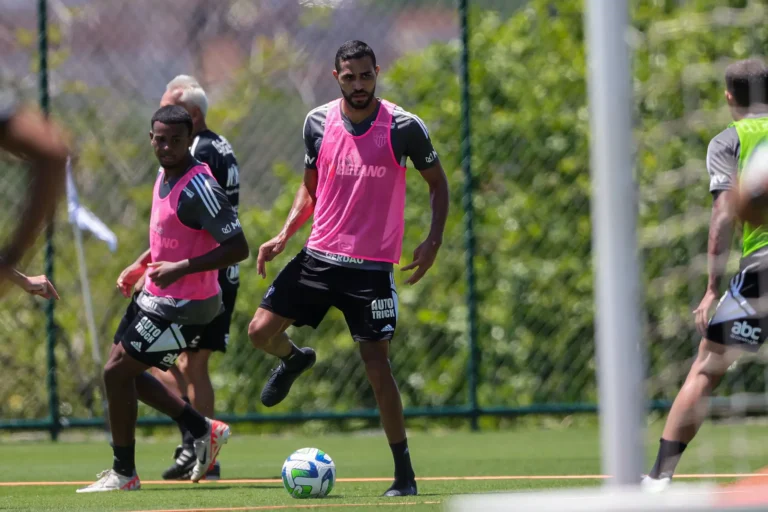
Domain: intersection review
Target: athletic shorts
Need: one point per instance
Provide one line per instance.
(307, 287)
(215, 335)
(741, 317)
(151, 339)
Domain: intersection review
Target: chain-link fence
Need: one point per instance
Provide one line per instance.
(265, 64)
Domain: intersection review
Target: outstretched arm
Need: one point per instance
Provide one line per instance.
(302, 209)
(425, 254)
(35, 285)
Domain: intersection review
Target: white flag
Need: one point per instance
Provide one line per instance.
(83, 218)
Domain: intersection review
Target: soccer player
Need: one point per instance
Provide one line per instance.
(193, 232)
(739, 323)
(190, 376)
(354, 184)
(27, 134)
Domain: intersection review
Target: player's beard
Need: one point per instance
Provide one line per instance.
(357, 106)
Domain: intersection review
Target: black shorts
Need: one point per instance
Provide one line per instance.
(215, 335)
(306, 289)
(151, 339)
(741, 317)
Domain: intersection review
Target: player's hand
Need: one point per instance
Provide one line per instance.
(139, 286)
(701, 313)
(267, 252)
(423, 258)
(165, 273)
(129, 277)
(41, 286)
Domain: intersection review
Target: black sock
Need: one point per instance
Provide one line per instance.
(124, 460)
(667, 459)
(403, 469)
(294, 359)
(188, 440)
(184, 432)
(192, 421)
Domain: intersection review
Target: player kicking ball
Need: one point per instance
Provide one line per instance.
(188, 244)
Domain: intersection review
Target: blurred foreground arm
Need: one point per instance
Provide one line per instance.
(35, 285)
(31, 137)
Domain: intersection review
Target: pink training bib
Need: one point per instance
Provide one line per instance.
(360, 191)
(170, 240)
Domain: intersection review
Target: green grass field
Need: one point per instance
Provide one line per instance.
(518, 452)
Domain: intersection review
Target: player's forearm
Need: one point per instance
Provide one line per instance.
(439, 200)
(39, 207)
(29, 136)
(230, 252)
(145, 258)
(719, 244)
(17, 278)
(301, 211)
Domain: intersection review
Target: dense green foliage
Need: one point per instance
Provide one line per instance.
(530, 161)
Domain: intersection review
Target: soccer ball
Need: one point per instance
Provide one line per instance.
(309, 473)
(752, 199)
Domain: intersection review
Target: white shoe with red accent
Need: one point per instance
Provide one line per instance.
(207, 447)
(110, 480)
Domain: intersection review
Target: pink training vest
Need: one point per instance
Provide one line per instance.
(360, 191)
(170, 240)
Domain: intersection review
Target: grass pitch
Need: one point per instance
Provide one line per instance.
(44, 475)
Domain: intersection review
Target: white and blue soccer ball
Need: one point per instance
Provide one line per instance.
(309, 473)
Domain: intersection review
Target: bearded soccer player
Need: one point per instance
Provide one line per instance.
(190, 375)
(354, 184)
(27, 134)
(193, 233)
(740, 321)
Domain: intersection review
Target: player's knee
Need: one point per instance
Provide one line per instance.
(710, 371)
(196, 363)
(113, 372)
(259, 334)
(714, 360)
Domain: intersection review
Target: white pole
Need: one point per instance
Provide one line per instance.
(615, 255)
(85, 288)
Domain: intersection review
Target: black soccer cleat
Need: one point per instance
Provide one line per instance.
(281, 380)
(402, 489)
(182, 466)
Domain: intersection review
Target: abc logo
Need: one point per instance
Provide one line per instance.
(744, 330)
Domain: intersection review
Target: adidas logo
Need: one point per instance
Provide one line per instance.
(136, 345)
(387, 328)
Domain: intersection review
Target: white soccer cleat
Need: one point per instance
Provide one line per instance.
(655, 485)
(207, 447)
(110, 480)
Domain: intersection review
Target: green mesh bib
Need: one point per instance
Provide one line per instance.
(752, 132)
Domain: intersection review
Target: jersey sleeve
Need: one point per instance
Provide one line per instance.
(723, 160)
(418, 143)
(314, 125)
(207, 154)
(203, 204)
